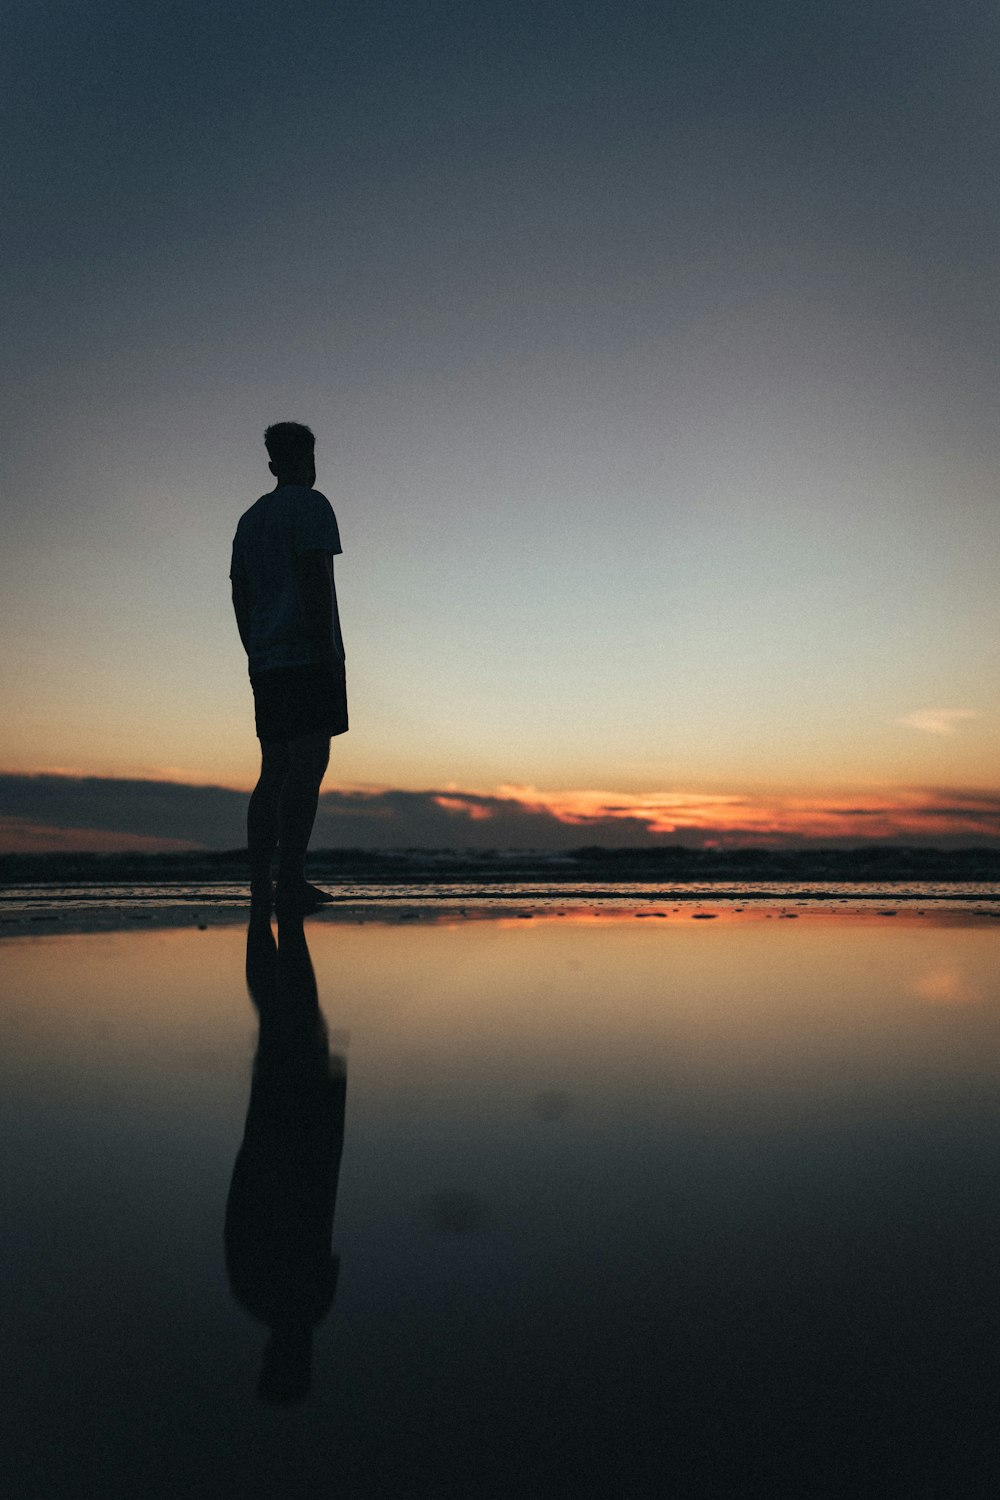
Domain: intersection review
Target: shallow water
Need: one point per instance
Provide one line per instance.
(51, 897)
(625, 1207)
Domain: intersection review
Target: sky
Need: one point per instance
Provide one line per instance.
(652, 356)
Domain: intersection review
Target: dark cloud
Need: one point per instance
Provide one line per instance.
(214, 817)
(397, 819)
(209, 816)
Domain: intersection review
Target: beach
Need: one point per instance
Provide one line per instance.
(628, 1196)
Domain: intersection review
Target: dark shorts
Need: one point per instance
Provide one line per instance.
(290, 701)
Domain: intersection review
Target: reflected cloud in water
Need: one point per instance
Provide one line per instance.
(948, 984)
(279, 1213)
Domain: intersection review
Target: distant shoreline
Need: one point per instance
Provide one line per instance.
(883, 863)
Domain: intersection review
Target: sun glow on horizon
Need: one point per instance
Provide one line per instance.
(887, 813)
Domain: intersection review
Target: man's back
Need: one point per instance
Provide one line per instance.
(271, 538)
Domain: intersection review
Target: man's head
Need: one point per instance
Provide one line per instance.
(291, 448)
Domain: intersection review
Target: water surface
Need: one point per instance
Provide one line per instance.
(698, 1203)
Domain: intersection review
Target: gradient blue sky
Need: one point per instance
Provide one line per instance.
(651, 349)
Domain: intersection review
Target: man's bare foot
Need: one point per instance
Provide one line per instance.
(317, 894)
(295, 894)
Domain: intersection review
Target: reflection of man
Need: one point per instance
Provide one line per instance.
(286, 611)
(279, 1215)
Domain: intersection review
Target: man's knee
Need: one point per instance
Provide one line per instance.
(309, 755)
(274, 760)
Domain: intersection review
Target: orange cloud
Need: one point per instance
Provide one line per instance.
(479, 812)
(909, 814)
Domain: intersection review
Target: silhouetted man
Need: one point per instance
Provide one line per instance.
(286, 611)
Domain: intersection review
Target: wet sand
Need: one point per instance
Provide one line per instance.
(51, 908)
(689, 1199)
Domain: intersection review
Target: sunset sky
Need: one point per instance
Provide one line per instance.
(652, 355)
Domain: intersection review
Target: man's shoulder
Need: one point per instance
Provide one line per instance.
(301, 494)
(294, 505)
(247, 518)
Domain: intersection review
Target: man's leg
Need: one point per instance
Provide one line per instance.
(262, 817)
(308, 758)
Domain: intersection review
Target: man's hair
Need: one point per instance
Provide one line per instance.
(287, 443)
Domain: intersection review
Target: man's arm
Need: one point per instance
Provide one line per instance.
(314, 572)
(241, 607)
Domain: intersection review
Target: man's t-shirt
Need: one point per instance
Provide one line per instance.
(283, 524)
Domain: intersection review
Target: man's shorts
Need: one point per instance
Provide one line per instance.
(290, 701)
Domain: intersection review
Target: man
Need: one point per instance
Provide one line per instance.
(286, 612)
